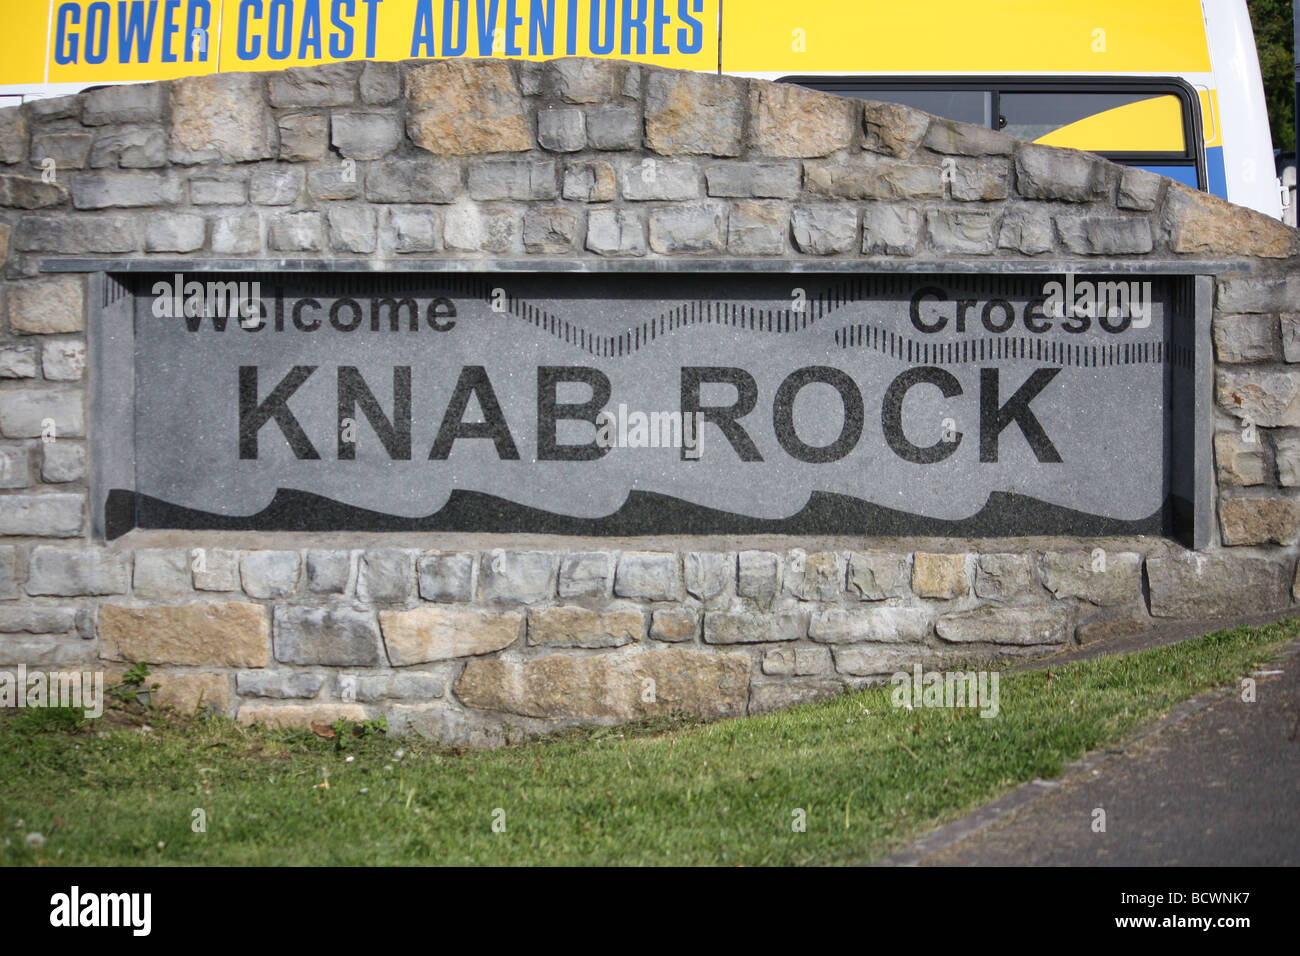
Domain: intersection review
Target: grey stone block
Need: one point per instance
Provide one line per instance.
(615, 232)
(237, 234)
(270, 574)
(1264, 294)
(282, 686)
(1139, 189)
(328, 572)
(108, 188)
(825, 230)
(585, 573)
(14, 134)
(68, 150)
(414, 230)
(964, 233)
(589, 182)
(748, 628)
(757, 575)
(130, 147)
(521, 577)
(215, 569)
(550, 230)
(1031, 232)
(48, 516)
(873, 180)
(333, 637)
(25, 414)
(1245, 338)
(386, 577)
(332, 85)
(818, 576)
(380, 82)
(1101, 577)
(8, 571)
(275, 186)
(365, 135)
(1105, 235)
(174, 232)
(687, 228)
(757, 180)
(129, 103)
(648, 575)
(68, 572)
(447, 577)
(414, 181)
(966, 139)
(161, 573)
(613, 127)
(37, 620)
(1007, 577)
(1046, 172)
(891, 230)
(879, 625)
(304, 137)
(1019, 626)
(218, 190)
(709, 573)
(352, 229)
(65, 234)
(561, 130)
(1207, 586)
(757, 229)
(518, 179)
(295, 232)
(398, 687)
(15, 467)
(340, 180)
(652, 179)
(17, 361)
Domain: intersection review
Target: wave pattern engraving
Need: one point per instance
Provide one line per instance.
(712, 312)
(1011, 347)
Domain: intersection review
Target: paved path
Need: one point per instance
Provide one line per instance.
(1216, 782)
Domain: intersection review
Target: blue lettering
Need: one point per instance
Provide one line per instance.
(341, 40)
(65, 43)
(196, 28)
(422, 35)
(541, 27)
(455, 37)
(134, 25)
(370, 27)
(310, 29)
(603, 44)
(169, 29)
(486, 26)
(690, 39)
(513, 23)
(97, 32)
(571, 29)
(279, 32)
(248, 47)
(661, 20)
(633, 21)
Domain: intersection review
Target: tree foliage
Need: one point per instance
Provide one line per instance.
(1273, 37)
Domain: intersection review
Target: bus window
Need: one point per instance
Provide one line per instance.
(1098, 122)
(966, 106)
(1149, 124)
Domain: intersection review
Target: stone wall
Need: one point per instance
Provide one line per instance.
(473, 639)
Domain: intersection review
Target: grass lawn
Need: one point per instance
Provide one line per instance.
(869, 777)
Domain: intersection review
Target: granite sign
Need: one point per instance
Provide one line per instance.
(631, 404)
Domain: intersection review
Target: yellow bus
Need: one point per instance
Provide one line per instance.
(1169, 85)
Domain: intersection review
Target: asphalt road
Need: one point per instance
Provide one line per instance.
(1216, 783)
